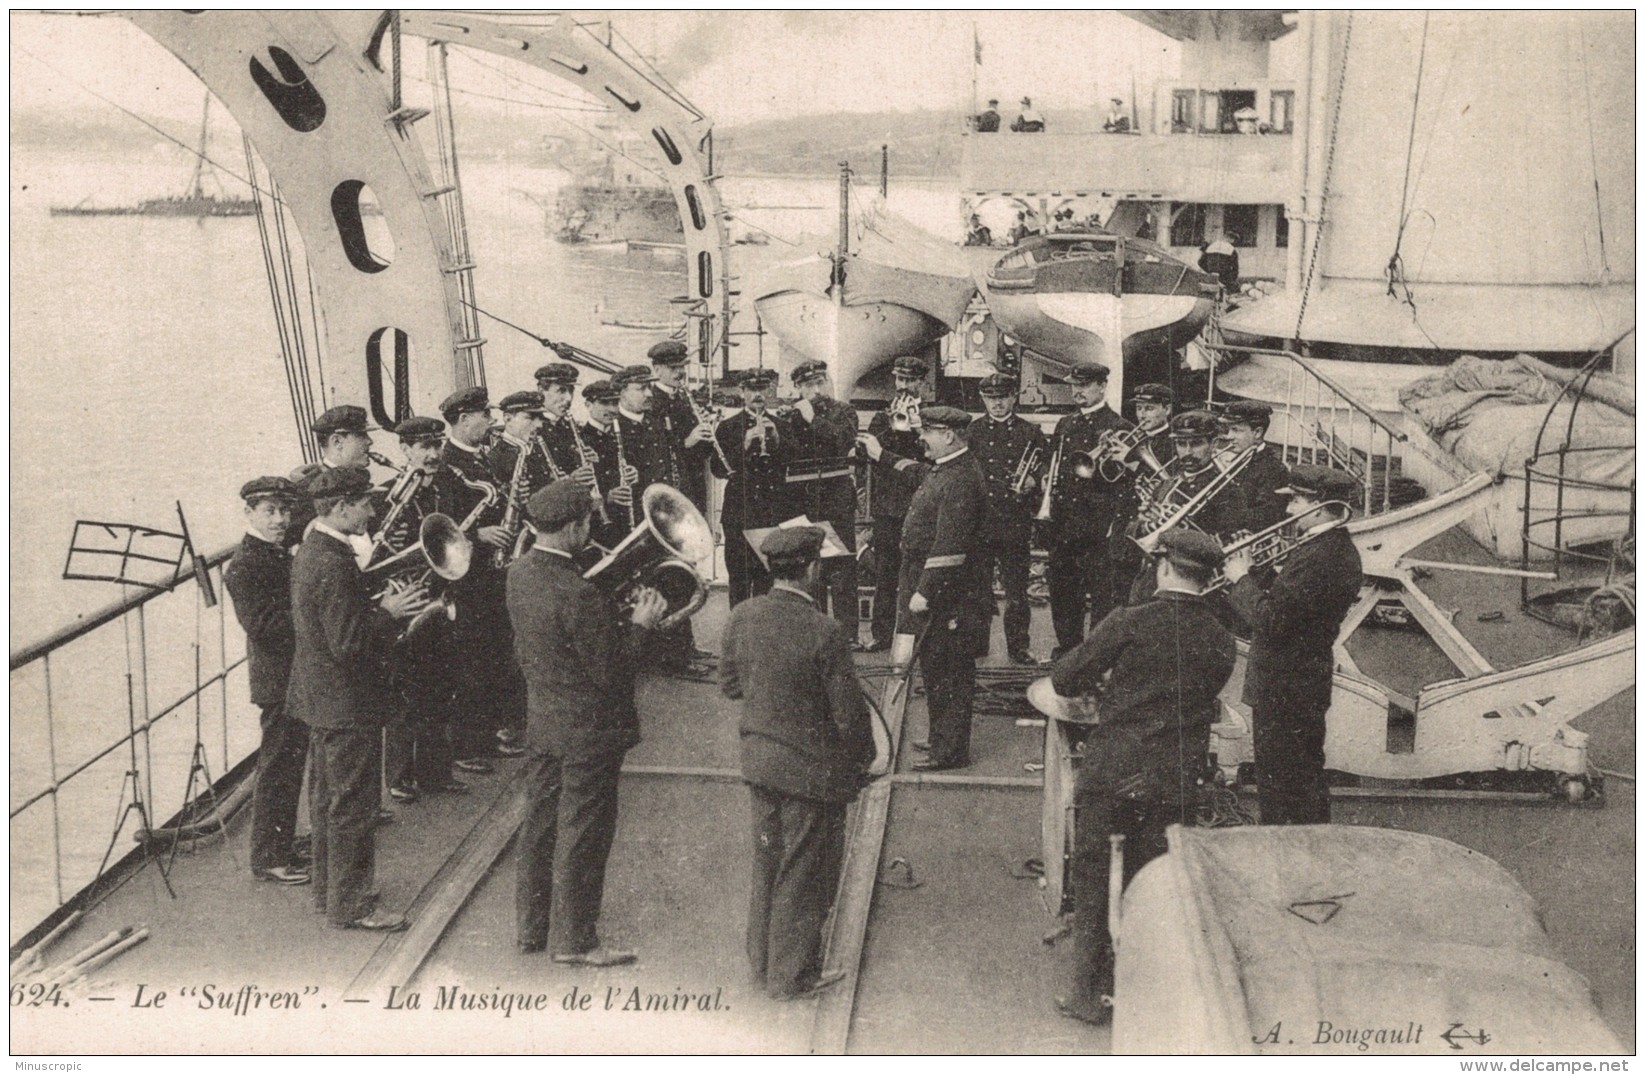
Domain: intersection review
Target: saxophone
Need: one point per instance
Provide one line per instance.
(500, 558)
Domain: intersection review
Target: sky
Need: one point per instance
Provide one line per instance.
(737, 66)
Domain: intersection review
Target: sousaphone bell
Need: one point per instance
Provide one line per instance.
(446, 551)
(660, 552)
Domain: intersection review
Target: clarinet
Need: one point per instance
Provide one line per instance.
(622, 466)
(592, 461)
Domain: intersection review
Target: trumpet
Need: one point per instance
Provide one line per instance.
(1026, 465)
(1175, 507)
(1044, 514)
(1271, 546)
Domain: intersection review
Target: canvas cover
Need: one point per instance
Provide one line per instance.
(1488, 413)
(1341, 939)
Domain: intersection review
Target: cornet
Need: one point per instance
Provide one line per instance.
(1026, 464)
(904, 413)
(1044, 514)
(1271, 546)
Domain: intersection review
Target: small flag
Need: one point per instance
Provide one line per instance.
(976, 46)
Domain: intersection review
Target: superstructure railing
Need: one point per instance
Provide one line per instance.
(1320, 421)
(108, 718)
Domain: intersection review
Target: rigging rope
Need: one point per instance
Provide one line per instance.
(568, 351)
(1593, 152)
(231, 173)
(1325, 180)
(1395, 270)
(302, 403)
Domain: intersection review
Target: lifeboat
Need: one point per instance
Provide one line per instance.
(1097, 297)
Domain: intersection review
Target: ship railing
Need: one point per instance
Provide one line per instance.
(1320, 421)
(1584, 525)
(118, 721)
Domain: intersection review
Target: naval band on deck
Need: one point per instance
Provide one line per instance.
(455, 615)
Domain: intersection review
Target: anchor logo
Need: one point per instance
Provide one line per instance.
(1478, 1037)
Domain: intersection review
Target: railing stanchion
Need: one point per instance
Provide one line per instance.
(56, 810)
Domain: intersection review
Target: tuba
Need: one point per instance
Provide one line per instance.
(446, 552)
(659, 553)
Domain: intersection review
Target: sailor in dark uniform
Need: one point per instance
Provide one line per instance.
(805, 744)
(1001, 440)
(342, 644)
(823, 431)
(889, 491)
(557, 381)
(1296, 620)
(1084, 513)
(491, 698)
(344, 437)
(687, 444)
(1160, 667)
(259, 580)
(687, 439)
(599, 434)
(1245, 425)
(518, 467)
(641, 448)
(1152, 404)
(942, 596)
(424, 676)
(580, 654)
(1193, 436)
(756, 495)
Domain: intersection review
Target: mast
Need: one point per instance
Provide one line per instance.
(196, 190)
(844, 248)
(885, 169)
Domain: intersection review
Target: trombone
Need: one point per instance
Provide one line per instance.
(1271, 546)
(1175, 507)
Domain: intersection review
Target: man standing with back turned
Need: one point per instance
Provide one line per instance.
(805, 743)
(1165, 663)
(339, 688)
(579, 658)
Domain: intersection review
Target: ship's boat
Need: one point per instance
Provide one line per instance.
(1098, 297)
(595, 213)
(902, 290)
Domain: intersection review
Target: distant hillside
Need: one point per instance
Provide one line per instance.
(922, 144)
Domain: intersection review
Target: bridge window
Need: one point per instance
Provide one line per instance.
(290, 92)
(1239, 223)
(389, 412)
(1282, 228)
(1281, 108)
(1182, 111)
(1187, 224)
(369, 249)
